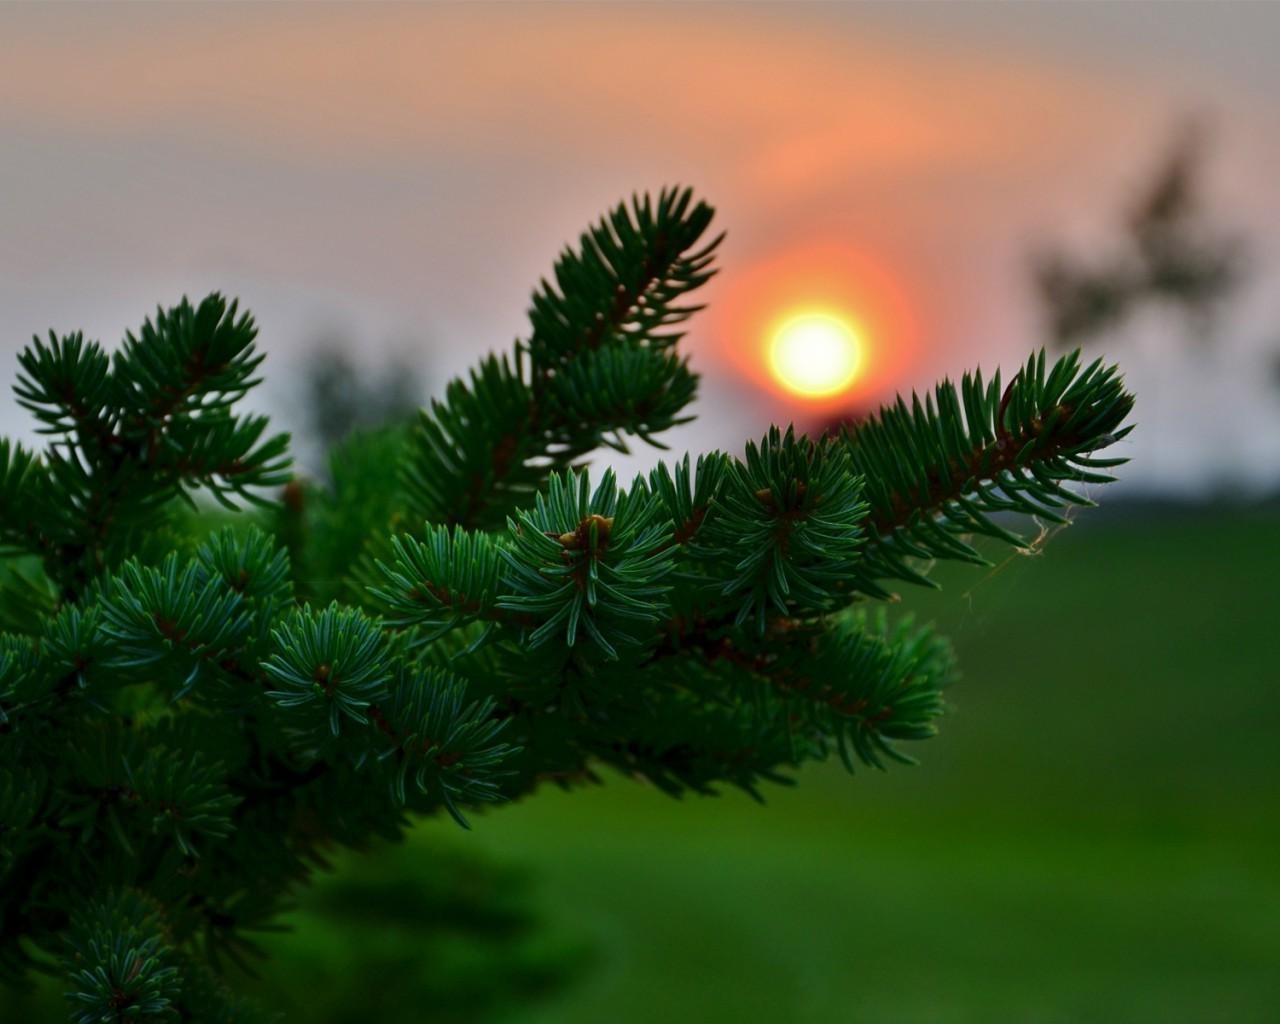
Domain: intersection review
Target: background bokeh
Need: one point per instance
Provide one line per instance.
(1096, 833)
(400, 176)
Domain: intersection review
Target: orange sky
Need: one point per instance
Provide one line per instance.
(408, 172)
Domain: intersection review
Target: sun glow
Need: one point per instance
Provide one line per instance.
(815, 354)
(820, 327)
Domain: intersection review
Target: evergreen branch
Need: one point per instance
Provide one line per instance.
(442, 583)
(687, 496)
(473, 455)
(250, 564)
(624, 283)
(329, 666)
(223, 454)
(589, 561)
(120, 962)
(939, 469)
(630, 390)
(176, 615)
(694, 630)
(20, 478)
(867, 685)
(182, 792)
(75, 649)
(788, 522)
(139, 432)
(188, 361)
(496, 437)
(67, 386)
(440, 742)
(682, 743)
(25, 679)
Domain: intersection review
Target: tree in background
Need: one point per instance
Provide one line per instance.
(1169, 254)
(192, 719)
(341, 395)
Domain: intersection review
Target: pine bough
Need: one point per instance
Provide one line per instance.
(186, 728)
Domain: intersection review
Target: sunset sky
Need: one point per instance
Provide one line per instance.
(403, 175)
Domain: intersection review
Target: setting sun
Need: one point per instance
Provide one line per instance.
(815, 354)
(821, 328)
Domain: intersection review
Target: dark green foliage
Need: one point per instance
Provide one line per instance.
(589, 562)
(120, 966)
(789, 520)
(129, 434)
(191, 720)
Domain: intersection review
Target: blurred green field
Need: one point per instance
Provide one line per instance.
(1094, 836)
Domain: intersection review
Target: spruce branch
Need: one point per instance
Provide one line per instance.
(329, 667)
(127, 440)
(626, 280)
(588, 561)
(867, 684)
(189, 725)
(445, 581)
(120, 962)
(474, 452)
(176, 615)
(789, 521)
(937, 470)
(601, 330)
(440, 742)
(68, 388)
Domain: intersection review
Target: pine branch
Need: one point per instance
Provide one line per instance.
(625, 282)
(587, 561)
(594, 365)
(183, 738)
(788, 520)
(938, 470)
(153, 427)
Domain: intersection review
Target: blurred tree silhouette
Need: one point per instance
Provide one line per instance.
(341, 395)
(1171, 253)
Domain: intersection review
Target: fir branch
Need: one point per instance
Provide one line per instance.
(625, 281)
(939, 469)
(120, 962)
(788, 521)
(440, 742)
(67, 386)
(687, 495)
(188, 361)
(867, 685)
(441, 583)
(473, 455)
(155, 426)
(21, 479)
(495, 438)
(329, 667)
(619, 391)
(589, 561)
(682, 743)
(182, 792)
(176, 614)
(694, 629)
